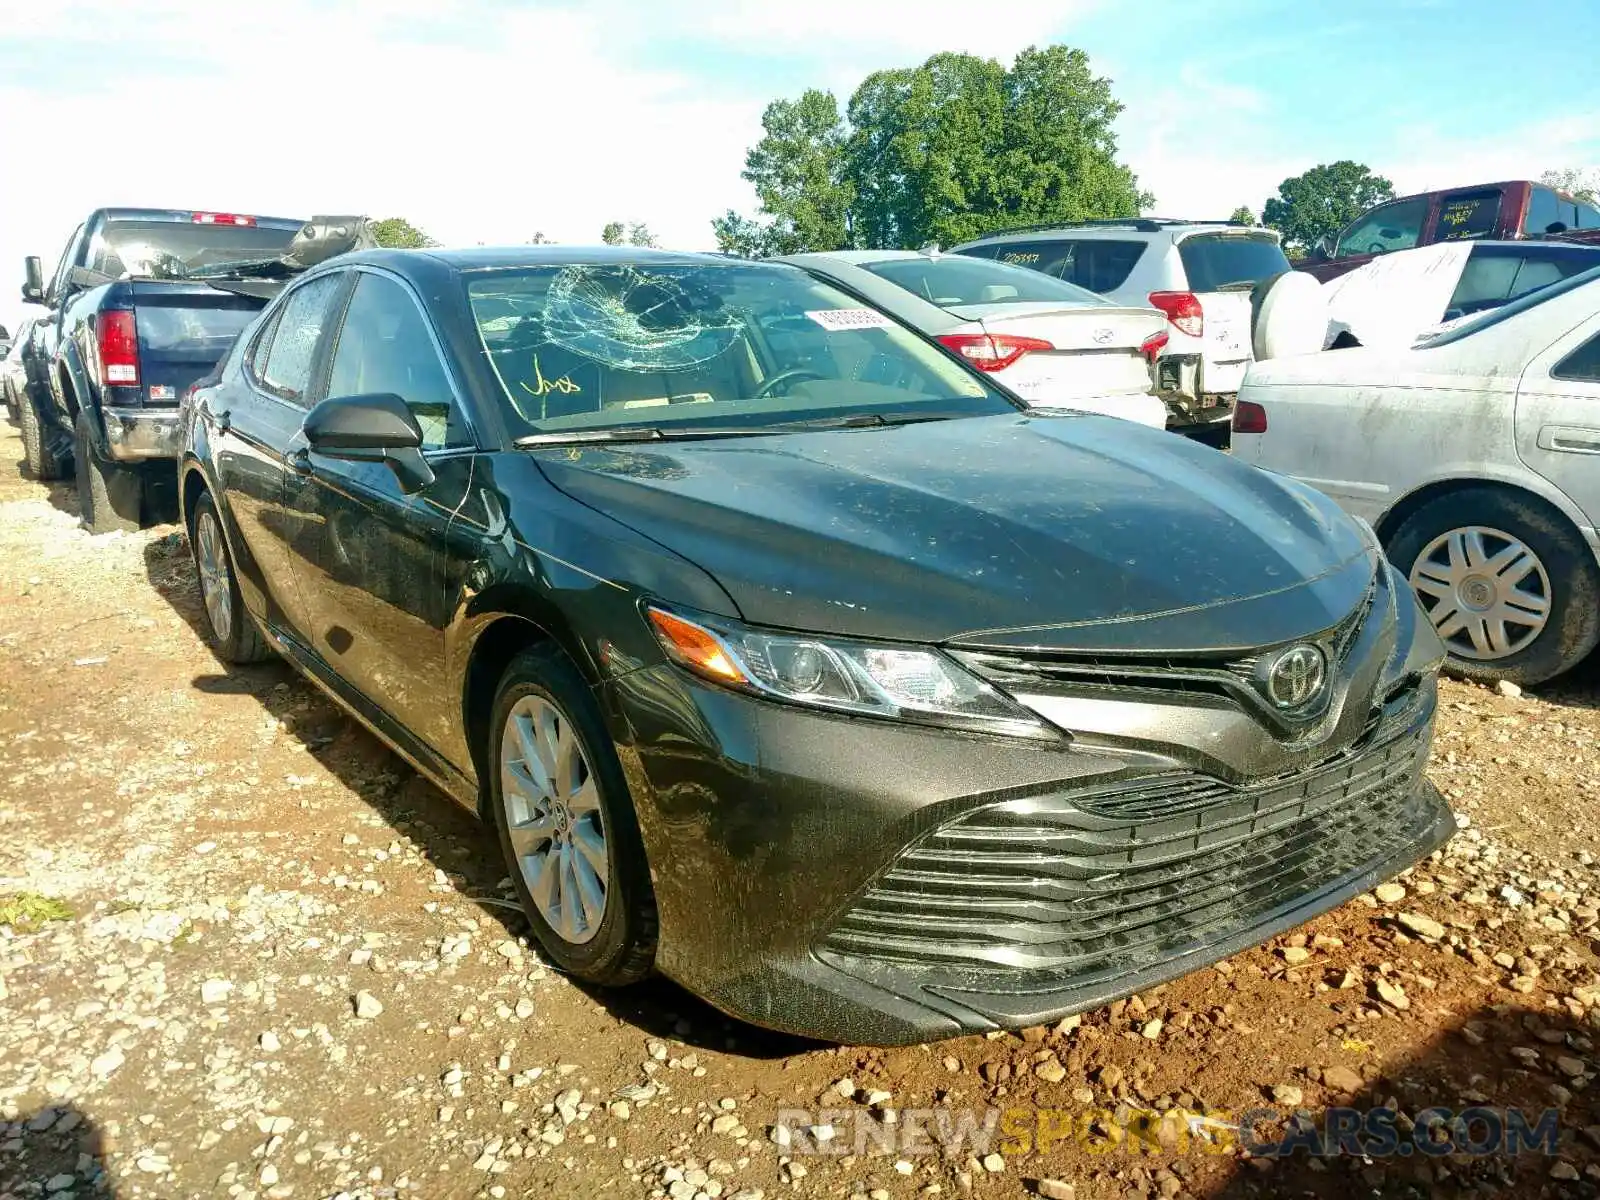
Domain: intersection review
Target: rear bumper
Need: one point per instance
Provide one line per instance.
(134, 435)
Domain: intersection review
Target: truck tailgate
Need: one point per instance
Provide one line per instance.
(184, 329)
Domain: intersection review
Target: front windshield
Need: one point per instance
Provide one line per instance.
(616, 345)
(171, 249)
(959, 279)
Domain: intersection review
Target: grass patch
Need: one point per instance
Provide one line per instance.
(24, 911)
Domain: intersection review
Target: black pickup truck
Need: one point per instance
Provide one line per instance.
(142, 304)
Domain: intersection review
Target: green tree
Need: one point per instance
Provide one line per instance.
(1243, 216)
(941, 152)
(1578, 182)
(619, 233)
(639, 235)
(797, 170)
(397, 233)
(1323, 201)
(539, 239)
(614, 233)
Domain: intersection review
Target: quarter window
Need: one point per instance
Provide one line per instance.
(1544, 210)
(286, 371)
(385, 346)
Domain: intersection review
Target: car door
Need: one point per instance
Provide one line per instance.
(1558, 415)
(375, 582)
(256, 421)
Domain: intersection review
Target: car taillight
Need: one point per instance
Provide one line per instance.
(1182, 309)
(221, 219)
(1249, 417)
(1153, 345)
(118, 339)
(992, 351)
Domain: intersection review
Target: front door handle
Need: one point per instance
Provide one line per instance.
(298, 461)
(1569, 439)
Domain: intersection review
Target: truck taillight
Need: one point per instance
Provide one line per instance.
(118, 338)
(1183, 310)
(1153, 345)
(1249, 417)
(992, 351)
(209, 218)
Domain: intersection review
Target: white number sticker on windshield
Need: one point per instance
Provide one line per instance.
(838, 320)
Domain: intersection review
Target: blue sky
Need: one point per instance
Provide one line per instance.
(490, 120)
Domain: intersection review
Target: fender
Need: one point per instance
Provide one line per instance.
(79, 387)
(1449, 476)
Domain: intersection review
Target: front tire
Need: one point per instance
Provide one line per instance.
(566, 824)
(108, 494)
(42, 462)
(1509, 585)
(232, 630)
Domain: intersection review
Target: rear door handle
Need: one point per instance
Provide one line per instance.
(1569, 439)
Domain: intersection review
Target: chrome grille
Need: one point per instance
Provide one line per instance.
(1098, 882)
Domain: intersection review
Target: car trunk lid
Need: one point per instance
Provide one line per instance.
(183, 330)
(1096, 350)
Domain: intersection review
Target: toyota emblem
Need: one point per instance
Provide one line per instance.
(1295, 677)
(1102, 336)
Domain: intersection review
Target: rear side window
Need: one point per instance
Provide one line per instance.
(956, 279)
(1217, 260)
(1464, 215)
(286, 369)
(1544, 210)
(1485, 282)
(1583, 364)
(1098, 264)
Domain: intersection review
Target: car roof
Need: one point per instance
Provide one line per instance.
(857, 257)
(1118, 228)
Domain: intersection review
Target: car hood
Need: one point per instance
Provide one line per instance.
(1065, 531)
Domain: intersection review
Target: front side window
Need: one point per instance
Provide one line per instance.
(956, 279)
(385, 346)
(286, 368)
(1396, 226)
(1545, 209)
(1467, 215)
(601, 346)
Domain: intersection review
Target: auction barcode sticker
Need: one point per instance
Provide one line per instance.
(837, 320)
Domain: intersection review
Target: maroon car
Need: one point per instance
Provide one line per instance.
(1515, 209)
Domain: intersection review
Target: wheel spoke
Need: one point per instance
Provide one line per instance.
(569, 894)
(1529, 606)
(1479, 634)
(1456, 547)
(1499, 637)
(539, 872)
(585, 800)
(548, 731)
(1439, 573)
(590, 892)
(533, 763)
(1477, 554)
(1515, 568)
(1439, 588)
(1451, 624)
(532, 835)
(591, 845)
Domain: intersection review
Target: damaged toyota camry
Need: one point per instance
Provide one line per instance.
(792, 658)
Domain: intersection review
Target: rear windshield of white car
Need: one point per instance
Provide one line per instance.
(1097, 264)
(957, 279)
(1213, 261)
(1505, 312)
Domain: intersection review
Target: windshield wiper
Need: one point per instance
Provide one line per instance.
(654, 433)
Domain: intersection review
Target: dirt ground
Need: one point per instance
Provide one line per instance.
(246, 952)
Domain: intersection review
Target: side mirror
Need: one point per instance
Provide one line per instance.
(371, 428)
(1323, 250)
(33, 280)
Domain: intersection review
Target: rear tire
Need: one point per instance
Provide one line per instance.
(42, 462)
(574, 797)
(108, 493)
(1490, 621)
(230, 627)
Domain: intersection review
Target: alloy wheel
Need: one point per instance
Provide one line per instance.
(215, 585)
(1486, 592)
(552, 811)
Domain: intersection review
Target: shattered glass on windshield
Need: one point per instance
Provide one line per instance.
(636, 320)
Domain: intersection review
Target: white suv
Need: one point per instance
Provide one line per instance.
(1200, 273)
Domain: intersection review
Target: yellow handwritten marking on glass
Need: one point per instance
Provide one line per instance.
(544, 387)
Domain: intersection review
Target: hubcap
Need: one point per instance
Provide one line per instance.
(1486, 592)
(552, 810)
(213, 563)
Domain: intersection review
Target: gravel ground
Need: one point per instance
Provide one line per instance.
(246, 952)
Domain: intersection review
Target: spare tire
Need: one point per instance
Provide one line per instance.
(1289, 315)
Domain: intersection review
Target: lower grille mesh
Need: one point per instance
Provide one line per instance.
(1040, 887)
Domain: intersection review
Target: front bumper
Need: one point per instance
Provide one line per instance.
(135, 434)
(860, 881)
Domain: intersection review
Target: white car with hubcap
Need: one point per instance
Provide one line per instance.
(1475, 454)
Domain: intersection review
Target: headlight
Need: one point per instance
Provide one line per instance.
(906, 683)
